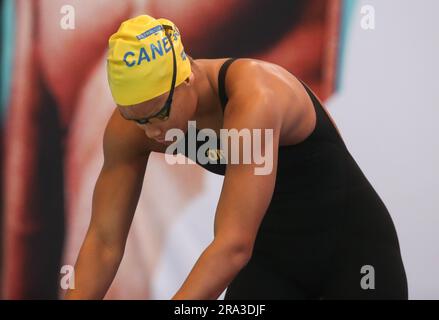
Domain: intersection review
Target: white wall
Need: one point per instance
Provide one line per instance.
(388, 112)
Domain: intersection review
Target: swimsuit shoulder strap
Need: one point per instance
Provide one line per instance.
(222, 81)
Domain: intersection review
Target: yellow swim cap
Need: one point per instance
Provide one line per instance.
(140, 61)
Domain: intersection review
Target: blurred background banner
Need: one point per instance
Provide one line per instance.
(379, 84)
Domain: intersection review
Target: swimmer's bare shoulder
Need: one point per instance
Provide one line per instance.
(259, 86)
(271, 91)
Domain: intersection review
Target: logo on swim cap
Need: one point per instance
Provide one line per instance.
(149, 32)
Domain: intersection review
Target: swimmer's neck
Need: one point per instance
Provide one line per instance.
(206, 87)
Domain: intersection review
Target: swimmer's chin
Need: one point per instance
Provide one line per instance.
(166, 142)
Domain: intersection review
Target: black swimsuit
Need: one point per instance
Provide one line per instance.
(325, 228)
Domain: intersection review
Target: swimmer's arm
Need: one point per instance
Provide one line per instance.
(115, 199)
(244, 200)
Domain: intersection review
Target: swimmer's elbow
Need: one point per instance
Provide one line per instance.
(239, 251)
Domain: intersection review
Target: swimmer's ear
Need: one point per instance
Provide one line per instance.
(190, 80)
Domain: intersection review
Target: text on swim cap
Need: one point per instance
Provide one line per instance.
(160, 47)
